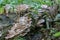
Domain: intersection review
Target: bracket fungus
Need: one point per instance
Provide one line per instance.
(22, 27)
(20, 9)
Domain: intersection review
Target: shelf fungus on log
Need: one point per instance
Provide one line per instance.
(20, 9)
(21, 28)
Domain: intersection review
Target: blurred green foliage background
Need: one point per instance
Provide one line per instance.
(34, 3)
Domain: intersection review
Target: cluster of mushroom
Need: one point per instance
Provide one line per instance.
(18, 9)
(21, 28)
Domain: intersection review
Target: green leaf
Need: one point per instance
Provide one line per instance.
(56, 34)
